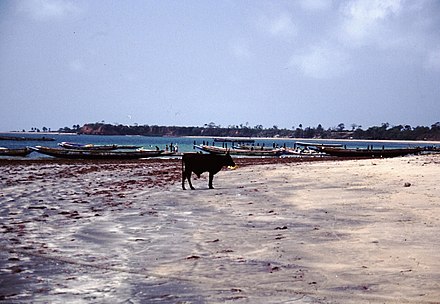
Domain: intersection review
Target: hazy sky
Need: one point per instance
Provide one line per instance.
(187, 62)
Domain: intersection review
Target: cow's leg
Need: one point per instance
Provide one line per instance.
(189, 180)
(183, 179)
(211, 177)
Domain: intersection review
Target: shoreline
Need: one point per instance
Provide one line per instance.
(273, 230)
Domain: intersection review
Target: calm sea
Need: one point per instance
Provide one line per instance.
(185, 144)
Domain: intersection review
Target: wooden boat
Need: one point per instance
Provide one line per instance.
(307, 144)
(96, 154)
(15, 152)
(303, 152)
(128, 147)
(251, 147)
(234, 140)
(341, 152)
(77, 146)
(241, 152)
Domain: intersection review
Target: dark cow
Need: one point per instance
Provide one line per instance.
(199, 163)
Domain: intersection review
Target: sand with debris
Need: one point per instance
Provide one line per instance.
(353, 231)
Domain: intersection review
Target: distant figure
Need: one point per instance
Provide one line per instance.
(199, 163)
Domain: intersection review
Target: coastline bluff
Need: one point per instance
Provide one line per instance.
(98, 129)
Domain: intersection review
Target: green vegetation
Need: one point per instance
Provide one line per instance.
(399, 132)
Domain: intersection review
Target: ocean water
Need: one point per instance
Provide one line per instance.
(185, 144)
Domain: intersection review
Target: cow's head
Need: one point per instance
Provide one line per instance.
(227, 161)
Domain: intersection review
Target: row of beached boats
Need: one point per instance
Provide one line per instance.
(313, 150)
(91, 151)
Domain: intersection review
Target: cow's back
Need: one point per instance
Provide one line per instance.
(199, 163)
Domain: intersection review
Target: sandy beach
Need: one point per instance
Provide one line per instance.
(273, 231)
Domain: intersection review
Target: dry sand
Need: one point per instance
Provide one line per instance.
(354, 231)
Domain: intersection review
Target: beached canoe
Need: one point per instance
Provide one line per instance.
(252, 147)
(78, 146)
(307, 151)
(96, 154)
(240, 152)
(15, 152)
(307, 144)
(378, 153)
(234, 140)
(128, 147)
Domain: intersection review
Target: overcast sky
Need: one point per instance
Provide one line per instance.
(229, 62)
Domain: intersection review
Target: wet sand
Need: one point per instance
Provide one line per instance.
(273, 231)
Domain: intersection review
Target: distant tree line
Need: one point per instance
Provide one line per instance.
(37, 130)
(399, 132)
(385, 131)
(73, 129)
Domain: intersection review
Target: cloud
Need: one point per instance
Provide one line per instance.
(315, 5)
(396, 32)
(433, 60)
(365, 20)
(281, 25)
(76, 66)
(410, 29)
(322, 62)
(48, 9)
(240, 50)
